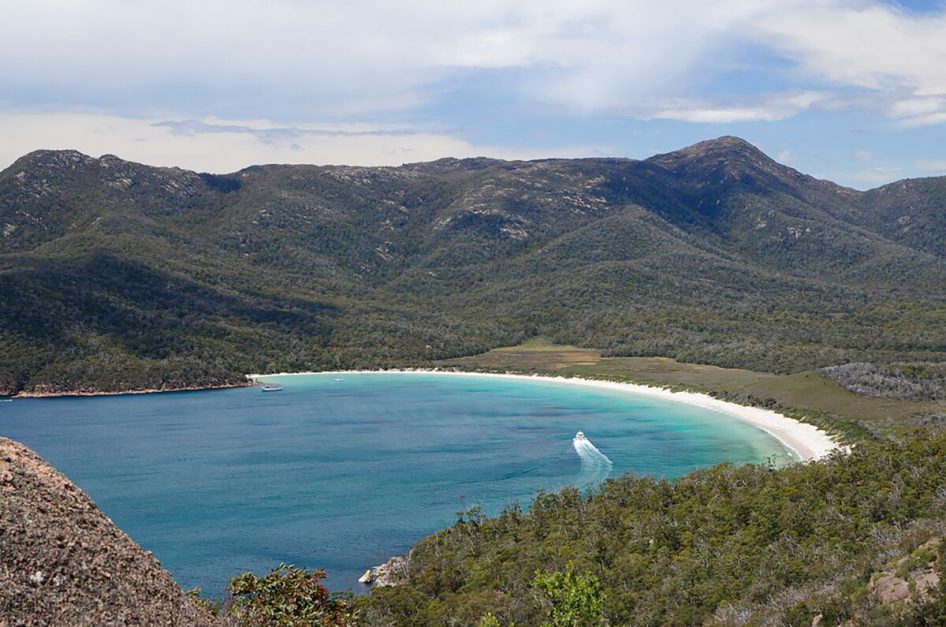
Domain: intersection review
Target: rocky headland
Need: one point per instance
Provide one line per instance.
(63, 562)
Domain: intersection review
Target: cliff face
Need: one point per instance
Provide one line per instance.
(63, 562)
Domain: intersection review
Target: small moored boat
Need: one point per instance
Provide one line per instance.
(271, 387)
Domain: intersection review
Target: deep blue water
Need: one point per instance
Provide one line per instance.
(343, 474)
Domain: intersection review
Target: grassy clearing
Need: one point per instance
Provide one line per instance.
(530, 358)
(805, 392)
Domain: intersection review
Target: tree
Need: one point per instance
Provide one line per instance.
(287, 596)
(488, 620)
(574, 600)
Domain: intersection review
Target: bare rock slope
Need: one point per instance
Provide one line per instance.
(63, 562)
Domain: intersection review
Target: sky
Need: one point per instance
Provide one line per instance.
(849, 90)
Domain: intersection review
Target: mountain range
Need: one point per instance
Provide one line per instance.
(120, 276)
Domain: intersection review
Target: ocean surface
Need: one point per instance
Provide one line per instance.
(342, 472)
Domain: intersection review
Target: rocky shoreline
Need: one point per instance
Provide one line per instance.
(82, 392)
(393, 572)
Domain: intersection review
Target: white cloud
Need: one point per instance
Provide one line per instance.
(913, 107)
(298, 59)
(863, 44)
(369, 55)
(927, 119)
(918, 111)
(879, 174)
(863, 155)
(932, 166)
(225, 146)
(766, 108)
(871, 46)
(315, 66)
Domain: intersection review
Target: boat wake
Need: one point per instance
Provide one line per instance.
(595, 465)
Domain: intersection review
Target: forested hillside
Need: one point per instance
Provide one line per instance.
(116, 275)
(854, 540)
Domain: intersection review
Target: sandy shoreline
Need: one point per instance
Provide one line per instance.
(806, 441)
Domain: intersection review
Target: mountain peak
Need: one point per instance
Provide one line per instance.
(727, 141)
(48, 158)
(726, 158)
(727, 146)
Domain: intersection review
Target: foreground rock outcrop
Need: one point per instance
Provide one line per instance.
(63, 562)
(911, 579)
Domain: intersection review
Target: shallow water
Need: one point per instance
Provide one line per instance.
(341, 475)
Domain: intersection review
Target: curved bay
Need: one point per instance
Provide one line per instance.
(343, 474)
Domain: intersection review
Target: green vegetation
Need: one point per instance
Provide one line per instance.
(286, 597)
(489, 620)
(725, 545)
(574, 600)
(116, 275)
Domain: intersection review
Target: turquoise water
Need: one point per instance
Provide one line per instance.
(343, 474)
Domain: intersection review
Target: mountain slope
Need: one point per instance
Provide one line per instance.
(119, 276)
(909, 211)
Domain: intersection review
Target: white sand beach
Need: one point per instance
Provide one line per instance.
(806, 441)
